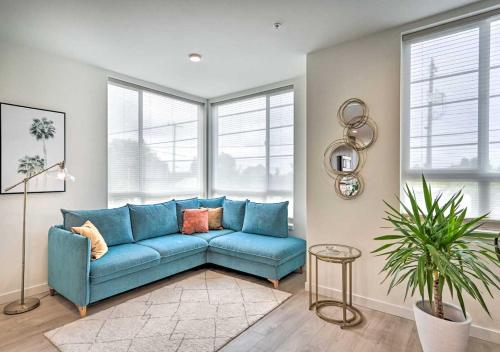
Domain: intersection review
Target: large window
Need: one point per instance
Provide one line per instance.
(451, 110)
(252, 147)
(155, 146)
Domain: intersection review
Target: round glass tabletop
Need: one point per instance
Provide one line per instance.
(335, 251)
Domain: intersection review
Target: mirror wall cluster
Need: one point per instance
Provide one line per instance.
(345, 157)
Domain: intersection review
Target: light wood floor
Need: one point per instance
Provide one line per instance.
(290, 327)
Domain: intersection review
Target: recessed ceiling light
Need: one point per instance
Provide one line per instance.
(195, 57)
(277, 25)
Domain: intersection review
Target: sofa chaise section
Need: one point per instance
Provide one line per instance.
(264, 256)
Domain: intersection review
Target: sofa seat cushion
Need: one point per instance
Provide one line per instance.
(122, 259)
(259, 248)
(173, 247)
(210, 235)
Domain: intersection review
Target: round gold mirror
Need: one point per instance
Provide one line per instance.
(341, 158)
(362, 137)
(349, 186)
(353, 113)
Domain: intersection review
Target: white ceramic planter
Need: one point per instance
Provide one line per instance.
(442, 335)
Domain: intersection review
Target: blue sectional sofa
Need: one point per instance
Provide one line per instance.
(145, 245)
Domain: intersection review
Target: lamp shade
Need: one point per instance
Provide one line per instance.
(61, 172)
(64, 175)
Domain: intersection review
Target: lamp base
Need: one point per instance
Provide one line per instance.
(17, 308)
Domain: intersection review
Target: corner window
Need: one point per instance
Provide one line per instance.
(252, 147)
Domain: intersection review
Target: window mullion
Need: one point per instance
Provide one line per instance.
(213, 149)
(141, 147)
(268, 141)
(483, 114)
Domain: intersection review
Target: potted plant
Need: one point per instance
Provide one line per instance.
(435, 245)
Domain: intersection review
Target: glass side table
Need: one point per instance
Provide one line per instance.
(340, 254)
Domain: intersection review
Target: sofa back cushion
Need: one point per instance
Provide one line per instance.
(212, 202)
(270, 219)
(113, 224)
(233, 214)
(153, 220)
(181, 205)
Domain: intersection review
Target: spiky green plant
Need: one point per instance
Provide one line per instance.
(435, 245)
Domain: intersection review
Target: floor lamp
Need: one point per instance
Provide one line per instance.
(26, 304)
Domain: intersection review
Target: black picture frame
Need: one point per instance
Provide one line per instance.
(2, 187)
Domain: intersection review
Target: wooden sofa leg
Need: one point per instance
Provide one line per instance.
(52, 292)
(275, 282)
(300, 270)
(82, 310)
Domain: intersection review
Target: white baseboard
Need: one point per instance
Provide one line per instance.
(480, 332)
(29, 291)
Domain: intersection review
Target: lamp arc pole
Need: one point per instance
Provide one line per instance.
(26, 304)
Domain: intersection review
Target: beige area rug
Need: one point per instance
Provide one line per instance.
(201, 313)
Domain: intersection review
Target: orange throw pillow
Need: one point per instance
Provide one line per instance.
(194, 220)
(214, 218)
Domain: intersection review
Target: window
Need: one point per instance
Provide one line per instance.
(451, 111)
(252, 147)
(155, 146)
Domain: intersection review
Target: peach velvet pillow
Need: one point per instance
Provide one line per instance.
(214, 218)
(194, 220)
(98, 246)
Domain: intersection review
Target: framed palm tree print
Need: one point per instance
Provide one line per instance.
(31, 139)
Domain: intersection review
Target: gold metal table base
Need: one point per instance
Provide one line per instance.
(356, 318)
(318, 304)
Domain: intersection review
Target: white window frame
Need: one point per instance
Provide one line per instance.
(212, 131)
(480, 175)
(202, 145)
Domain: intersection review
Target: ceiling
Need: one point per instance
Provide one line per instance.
(151, 39)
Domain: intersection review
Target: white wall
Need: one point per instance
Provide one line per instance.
(33, 78)
(368, 68)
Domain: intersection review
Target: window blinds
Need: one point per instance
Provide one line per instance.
(155, 146)
(451, 111)
(252, 147)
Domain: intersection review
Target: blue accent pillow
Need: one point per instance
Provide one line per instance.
(212, 202)
(153, 220)
(191, 203)
(233, 214)
(270, 219)
(113, 224)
